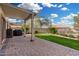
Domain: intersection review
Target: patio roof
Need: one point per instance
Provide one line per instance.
(15, 12)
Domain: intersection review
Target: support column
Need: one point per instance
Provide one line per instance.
(7, 25)
(24, 28)
(0, 30)
(32, 28)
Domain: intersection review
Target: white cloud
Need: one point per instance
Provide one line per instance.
(54, 15)
(72, 14)
(69, 17)
(60, 6)
(77, 12)
(67, 3)
(49, 5)
(67, 21)
(60, 24)
(31, 6)
(64, 9)
(54, 5)
(12, 20)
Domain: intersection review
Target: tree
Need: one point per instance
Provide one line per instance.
(25, 28)
(46, 22)
(53, 30)
(76, 20)
(37, 22)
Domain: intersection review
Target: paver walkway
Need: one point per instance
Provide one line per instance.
(21, 46)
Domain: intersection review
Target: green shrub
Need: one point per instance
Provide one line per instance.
(36, 32)
(53, 30)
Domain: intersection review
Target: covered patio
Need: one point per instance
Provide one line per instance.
(8, 10)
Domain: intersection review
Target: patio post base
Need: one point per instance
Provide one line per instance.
(31, 40)
(24, 36)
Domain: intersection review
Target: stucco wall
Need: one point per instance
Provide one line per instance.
(2, 28)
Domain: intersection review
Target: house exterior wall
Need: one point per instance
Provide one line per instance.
(2, 28)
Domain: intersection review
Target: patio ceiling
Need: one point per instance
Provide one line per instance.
(15, 12)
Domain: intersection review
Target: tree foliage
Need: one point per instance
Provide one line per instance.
(25, 27)
(53, 30)
(76, 20)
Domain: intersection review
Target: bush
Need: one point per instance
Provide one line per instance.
(36, 32)
(53, 30)
(27, 29)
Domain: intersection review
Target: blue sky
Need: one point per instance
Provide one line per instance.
(47, 11)
(58, 13)
(73, 8)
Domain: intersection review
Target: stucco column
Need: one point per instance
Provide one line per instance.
(0, 30)
(32, 28)
(24, 28)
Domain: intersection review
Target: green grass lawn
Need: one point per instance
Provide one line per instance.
(60, 40)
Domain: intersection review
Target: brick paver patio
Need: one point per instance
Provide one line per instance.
(21, 46)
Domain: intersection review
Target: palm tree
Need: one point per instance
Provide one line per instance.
(76, 20)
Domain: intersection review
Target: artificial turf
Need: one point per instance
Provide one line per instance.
(60, 40)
